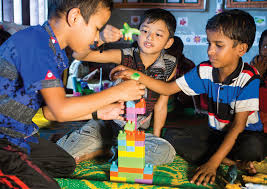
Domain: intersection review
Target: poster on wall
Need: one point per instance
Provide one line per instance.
(260, 20)
(194, 39)
(135, 20)
(182, 21)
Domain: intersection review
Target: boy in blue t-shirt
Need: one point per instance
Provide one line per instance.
(235, 130)
(156, 34)
(31, 65)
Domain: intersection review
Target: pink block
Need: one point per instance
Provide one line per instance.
(139, 143)
(144, 181)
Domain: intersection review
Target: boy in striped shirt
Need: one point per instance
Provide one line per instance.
(235, 132)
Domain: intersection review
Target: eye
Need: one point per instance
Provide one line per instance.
(143, 30)
(158, 35)
(219, 45)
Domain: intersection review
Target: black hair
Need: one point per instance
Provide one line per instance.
(263, 35)
(236, 24)
(87, 7)
(156, 14)
(4, 35)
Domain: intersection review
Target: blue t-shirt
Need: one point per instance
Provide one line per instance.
(238, 93)
(30, 60)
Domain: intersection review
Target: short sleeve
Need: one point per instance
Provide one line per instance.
(191, 84)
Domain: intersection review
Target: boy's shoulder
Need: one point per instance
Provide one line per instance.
(31, 36)
(169, 57)
(249, 69)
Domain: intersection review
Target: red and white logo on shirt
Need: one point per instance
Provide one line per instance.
(53, 40)
(49, 75)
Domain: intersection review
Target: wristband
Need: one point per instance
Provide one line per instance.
(135, 76)
(94, 115)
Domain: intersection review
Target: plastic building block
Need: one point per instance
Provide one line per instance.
(131, 150)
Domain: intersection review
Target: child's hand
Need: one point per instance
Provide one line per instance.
(130, 90)
(111, 111)
(260, 63)
(205, 174)
(110, 34)
(121, 72)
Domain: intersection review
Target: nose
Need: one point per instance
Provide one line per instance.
(211, 50)
(150, 36)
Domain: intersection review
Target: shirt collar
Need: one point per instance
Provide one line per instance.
(232, 77)
(159, 63)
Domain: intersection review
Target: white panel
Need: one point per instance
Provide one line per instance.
(17, 11)
(1, 12)
(34, 13)
(8, 11)
(42, 13)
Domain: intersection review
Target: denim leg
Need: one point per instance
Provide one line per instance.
(85, 140)
(158, 150)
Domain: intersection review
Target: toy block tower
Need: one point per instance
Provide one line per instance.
(131, 150)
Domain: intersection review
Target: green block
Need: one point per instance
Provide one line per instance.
(131, 162)
(122, 135)
(122, 148)
(131, 175)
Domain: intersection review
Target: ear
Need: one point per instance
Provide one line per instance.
(74, 16)
(242, 49)
(169, 43)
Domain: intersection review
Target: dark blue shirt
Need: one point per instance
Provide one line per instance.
(30, 60)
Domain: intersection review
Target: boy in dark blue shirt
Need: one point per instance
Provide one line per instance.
(235, 130)
(31, 65)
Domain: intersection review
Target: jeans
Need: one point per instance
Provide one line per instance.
(96, 135)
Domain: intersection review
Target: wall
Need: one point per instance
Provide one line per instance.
(196, 27)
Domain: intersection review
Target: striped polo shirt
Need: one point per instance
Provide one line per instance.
(239, 92)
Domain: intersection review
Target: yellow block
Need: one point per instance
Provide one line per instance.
(119, 179)
(130, 143)
(131, 154)
(40, 120)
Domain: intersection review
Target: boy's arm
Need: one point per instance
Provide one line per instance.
(206, 173)
(72, 108)
(160, 114)
(108, 112)
(151, 83)
(107, 56)
(161, 110)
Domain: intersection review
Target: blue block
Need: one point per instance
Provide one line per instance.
(148, 169)
(130, 148)
(114, 167)
(121, 142)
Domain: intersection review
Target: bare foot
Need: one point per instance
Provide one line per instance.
(246, 166)
(89, 156)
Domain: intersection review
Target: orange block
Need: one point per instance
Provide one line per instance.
(130, 135)
(113, 174)
(149, 177)
(141, 104)
(130, 170)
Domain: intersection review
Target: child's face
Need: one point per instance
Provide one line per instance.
(263, 51)
(221, 52)
(154, 37)
(84, 34)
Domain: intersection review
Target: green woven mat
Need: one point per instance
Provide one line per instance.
(95, 174)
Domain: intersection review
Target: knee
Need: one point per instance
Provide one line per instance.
(158, 151)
